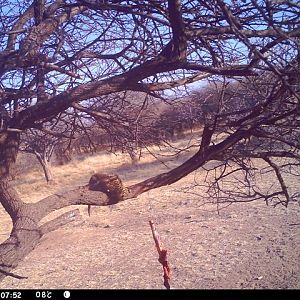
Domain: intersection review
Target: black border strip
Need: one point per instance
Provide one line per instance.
(55, 294)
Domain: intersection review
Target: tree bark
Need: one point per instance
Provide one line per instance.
(24, 234)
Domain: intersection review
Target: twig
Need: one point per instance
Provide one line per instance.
(162, 255)
(12, 274)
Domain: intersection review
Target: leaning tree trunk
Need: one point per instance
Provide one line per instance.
(26, 231)
(24, 234)
(45, 165)
(134, 156)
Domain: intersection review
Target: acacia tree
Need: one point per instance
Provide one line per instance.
(121, 121)
(42, 148)
(57, 54)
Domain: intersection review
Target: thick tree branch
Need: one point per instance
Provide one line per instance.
(199, 159)
(231, 70)
(127, 9)
(159, 86)
(79, 196)
(70, 216)
(179, 40)
(228, 32)
(18, 27)
(51, 67)
(84, 196)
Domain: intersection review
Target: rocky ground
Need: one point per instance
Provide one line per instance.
(251, 246)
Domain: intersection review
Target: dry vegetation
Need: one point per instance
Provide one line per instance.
(244, 246)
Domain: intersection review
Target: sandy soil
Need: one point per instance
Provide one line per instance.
(248, 246)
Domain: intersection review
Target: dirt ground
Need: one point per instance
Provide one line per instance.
(245, 246)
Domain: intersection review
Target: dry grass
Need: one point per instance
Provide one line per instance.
(32, 187)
